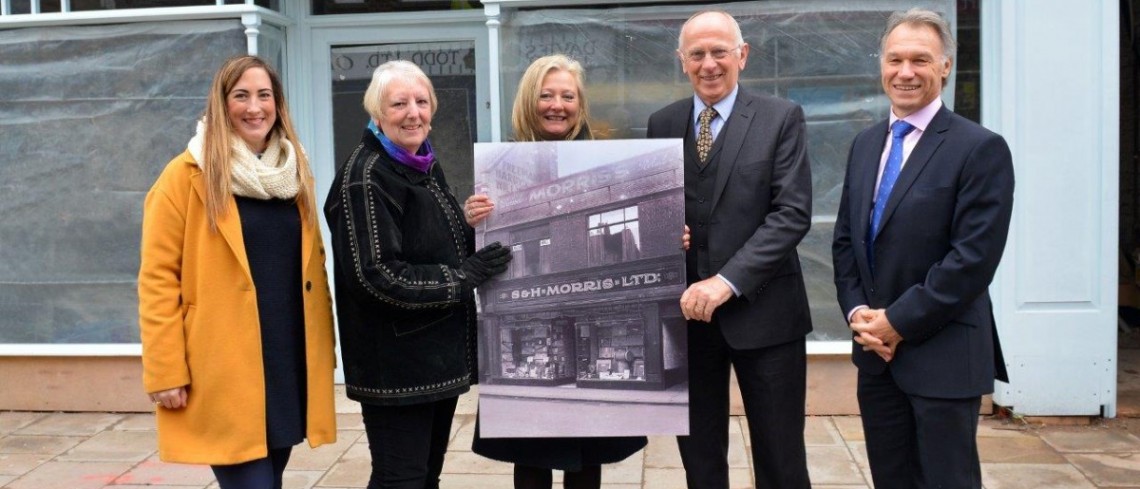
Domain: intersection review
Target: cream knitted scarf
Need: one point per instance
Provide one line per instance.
(273, 176)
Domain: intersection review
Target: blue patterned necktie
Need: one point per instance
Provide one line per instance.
(899, 130)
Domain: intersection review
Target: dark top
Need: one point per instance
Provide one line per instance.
(271, 230)
(406, 318)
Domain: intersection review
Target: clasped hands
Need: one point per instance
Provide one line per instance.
(874, 331)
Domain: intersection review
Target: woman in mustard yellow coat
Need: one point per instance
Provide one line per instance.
(234, 305)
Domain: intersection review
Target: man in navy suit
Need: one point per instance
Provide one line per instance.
(748, 204)
(921, 228)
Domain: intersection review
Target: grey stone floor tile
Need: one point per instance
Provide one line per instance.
(1090, 440)
(738, 456)
(662, 453)
(352, 470)
(462, 432)
(850, 427)
(472, 481)
(470, 463)
(737, 478)
(628, 471)
(819, 430)
(665, 478)
(324, 456)
(136, 422)
(1109, 469)
(990, 427)
(77, 424)
(136, 486)
(1023, 450)
(20, 463)
(153, 471)
(113, 446)
(301, 479)
(46, 445)
(1033, 476)
(832, 465)
(349, 422)
(71, 475)
(14, 420)
(745, 432)
(343, 404)
(468, 403)
(5, 479)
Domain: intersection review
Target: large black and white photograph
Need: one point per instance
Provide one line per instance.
(583, 335)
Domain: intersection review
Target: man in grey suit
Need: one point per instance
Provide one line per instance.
(747, 204)
(921, 227)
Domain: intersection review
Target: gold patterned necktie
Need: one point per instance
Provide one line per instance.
(704, 135)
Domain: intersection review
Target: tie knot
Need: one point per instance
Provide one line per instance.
(901, 128)
(707, 115)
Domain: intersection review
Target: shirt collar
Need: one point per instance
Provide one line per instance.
(723, 107)
(920, 118)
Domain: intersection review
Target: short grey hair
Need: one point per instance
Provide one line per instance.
(735, 27)
(384, 75)
(922, 17)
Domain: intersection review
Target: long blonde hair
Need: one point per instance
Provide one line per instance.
(524, 116)
(216, 164)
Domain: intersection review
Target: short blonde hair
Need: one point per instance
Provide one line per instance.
(524, 117)
(384, 75)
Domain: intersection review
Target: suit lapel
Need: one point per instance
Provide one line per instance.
(679, 128)
(919, 157)
(866, 157)
(229, 226)
(731, 139)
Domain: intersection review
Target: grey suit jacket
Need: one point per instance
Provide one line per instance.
(761, 209)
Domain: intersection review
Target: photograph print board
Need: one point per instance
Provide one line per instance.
(583, 334)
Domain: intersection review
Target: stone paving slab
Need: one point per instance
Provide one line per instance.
(113, 446)
(119, 453)
(832, 465)
(71, 475)
(153, 471)
(76, 424)
(12, 421)
(1035, 476)
(1097, 440)
(1109, 469)
(44, 445)
(1025, 450)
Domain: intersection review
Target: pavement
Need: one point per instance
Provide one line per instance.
(118, 451)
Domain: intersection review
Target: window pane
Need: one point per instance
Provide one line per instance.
(69, 235)
(321, 7)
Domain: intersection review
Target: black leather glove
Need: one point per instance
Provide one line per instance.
(488, 261)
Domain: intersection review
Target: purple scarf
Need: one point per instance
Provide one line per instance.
(421, 161)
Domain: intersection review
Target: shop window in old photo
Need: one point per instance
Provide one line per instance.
(585, 322)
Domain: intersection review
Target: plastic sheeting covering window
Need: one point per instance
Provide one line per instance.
(89, 116)
(822, 54)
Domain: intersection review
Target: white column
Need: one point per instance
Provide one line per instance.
(251, 23)
(492, 12)
(1050, 86)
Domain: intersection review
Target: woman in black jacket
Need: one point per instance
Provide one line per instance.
(405, 271)
(550, 106)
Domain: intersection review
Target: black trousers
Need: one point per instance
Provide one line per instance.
(263, 473)
(773, 382)
(915, 441)
(408, 443)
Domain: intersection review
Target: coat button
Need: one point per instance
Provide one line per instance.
(308, 286)
(322, 251)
